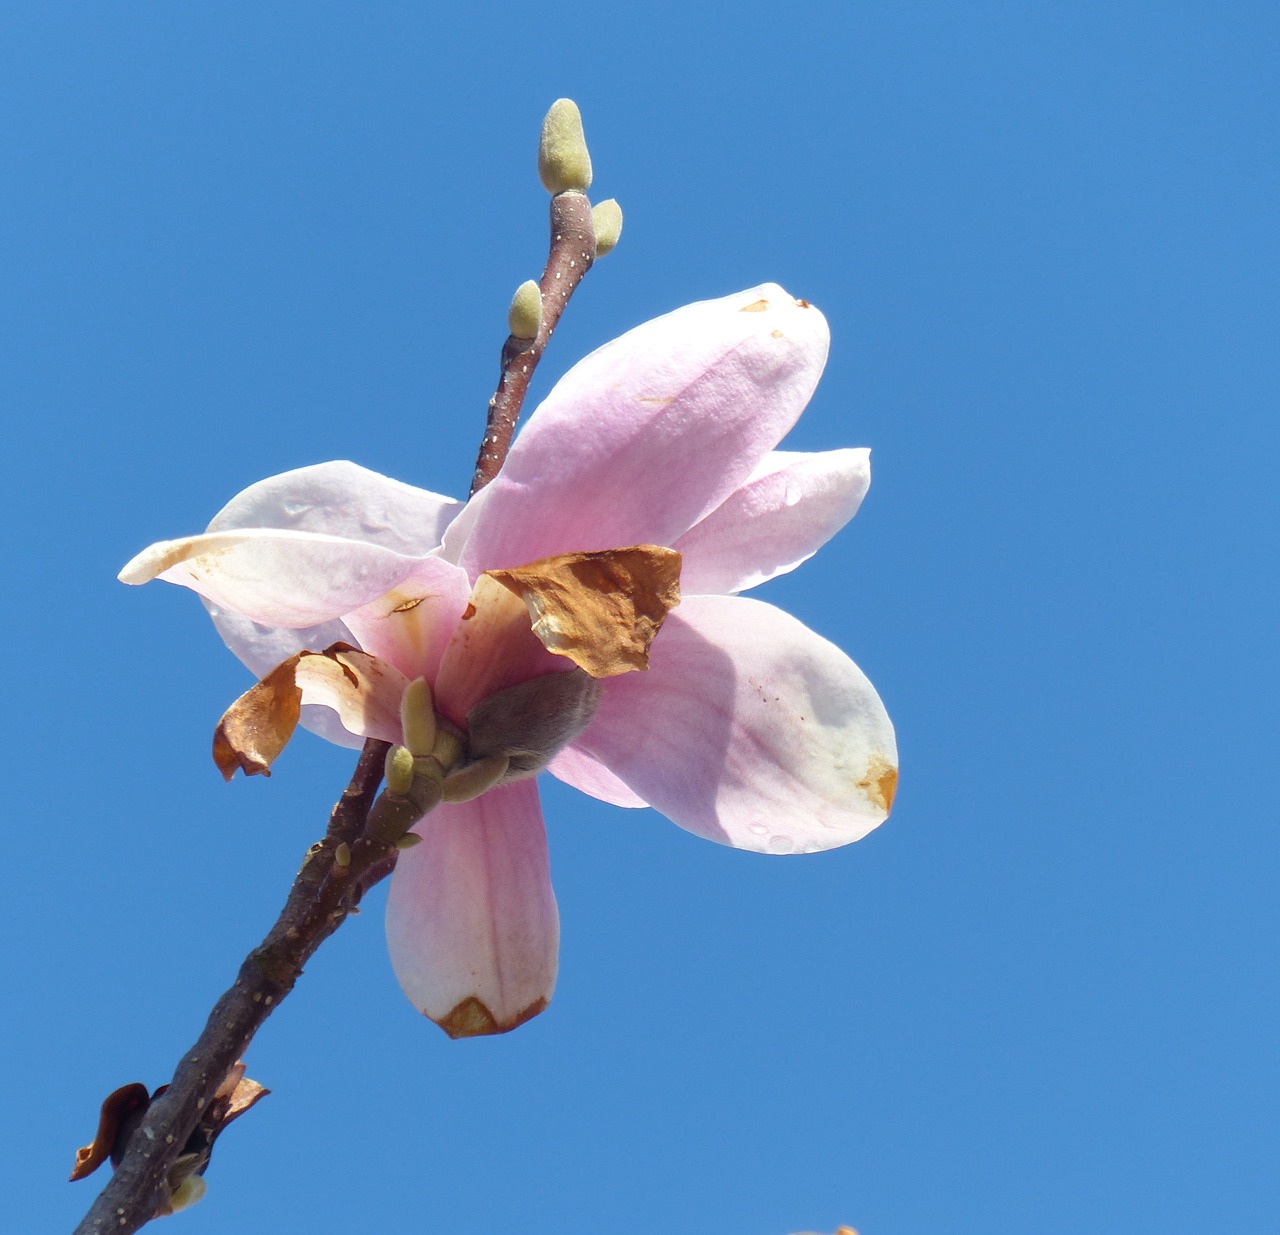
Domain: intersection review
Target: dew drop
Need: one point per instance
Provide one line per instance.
(758, 829)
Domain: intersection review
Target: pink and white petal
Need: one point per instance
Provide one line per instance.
(411, 625)
(751, 730)
(588, 775)
(343, 499)
(277, 578)
(472, 925)
(785, 511)
(493, 647)
(645, 436)
(262, 648)
(362, 690)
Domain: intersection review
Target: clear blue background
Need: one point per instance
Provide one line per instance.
(240, 238)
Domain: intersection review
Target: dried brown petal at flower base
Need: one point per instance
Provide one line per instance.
(602, 610)
(257, 727)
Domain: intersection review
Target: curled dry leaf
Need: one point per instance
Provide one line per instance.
(117, 1107)
(601, 610)
(123, 1110)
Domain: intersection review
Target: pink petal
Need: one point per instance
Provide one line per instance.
(471, 919)
(276, 578)
(410, 626)
(363, 691)
(586, 773)
(648, 434)
(493, 647)
(345, 500)
(751, 730)
(789, 507)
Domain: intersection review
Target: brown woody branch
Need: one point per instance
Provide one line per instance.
(573, 249)
(323, 893)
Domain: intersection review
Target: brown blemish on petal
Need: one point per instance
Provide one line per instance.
(405, 606)
(777, 334)
(469, 612)
(756, 306)
(472, 1019)
(880, 782)
(804, 304)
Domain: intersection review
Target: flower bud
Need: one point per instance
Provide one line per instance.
(473, 779)
(187, 1193)
(418, 717)
(530, 723)
(606, 218)
(564, 163)
(525, 315)
(398, 770)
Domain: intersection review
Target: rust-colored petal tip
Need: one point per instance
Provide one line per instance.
(472, 1019)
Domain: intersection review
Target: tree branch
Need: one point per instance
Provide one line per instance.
(322, 896)
(324, 893)
(573, 249)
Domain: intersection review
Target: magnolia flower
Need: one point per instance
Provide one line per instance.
(741, 724)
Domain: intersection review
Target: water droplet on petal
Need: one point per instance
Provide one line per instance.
(758, 829)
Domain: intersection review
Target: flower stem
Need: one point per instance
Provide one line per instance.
(321, 899)
(573, 249)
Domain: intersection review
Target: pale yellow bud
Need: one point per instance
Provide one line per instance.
(342, 855)
(187, 1193)
(473, 779)
(606, 218)
(418, 717)
(564, 163)
(398, 770)
(525, 315)
(408, 840)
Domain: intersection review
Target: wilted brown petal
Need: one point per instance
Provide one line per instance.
(116, 1108)
(257, 727)
(601, 610)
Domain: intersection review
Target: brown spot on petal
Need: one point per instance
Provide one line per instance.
(804, 304)
(405, 606)
(472, 1019)
(756, 306)
(469, 612)
(777, 334)
(601, 610)
(880, 782)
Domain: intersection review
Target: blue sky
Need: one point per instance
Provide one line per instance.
(242, 238)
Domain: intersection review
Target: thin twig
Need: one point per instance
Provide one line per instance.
(573, 249)
(320, 900)
(323, 894)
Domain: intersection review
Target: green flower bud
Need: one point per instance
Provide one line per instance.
(525, 315)
(418, 717)
(398, 770)
(187, 1193)
(473, 779)
(606, 218)
(564, 163)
